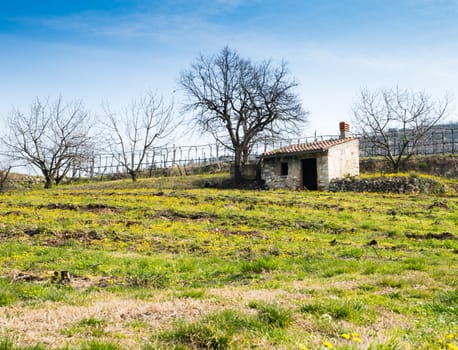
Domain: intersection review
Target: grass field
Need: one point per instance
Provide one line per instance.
(162, 265)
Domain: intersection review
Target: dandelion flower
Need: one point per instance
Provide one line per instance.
(451, 336)
(451, 346)
(357, 339)
(329, 345)
(346, 336)
(356, 335)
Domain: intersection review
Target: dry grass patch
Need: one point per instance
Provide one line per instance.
(47, 323)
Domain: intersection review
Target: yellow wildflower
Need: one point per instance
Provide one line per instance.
(356, 335)
(329, 345)
(357, 339)
(451, 336)
(452, 346)
(346, 336)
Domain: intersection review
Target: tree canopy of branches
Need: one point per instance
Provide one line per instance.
(135, 131)
(396, 120)
(53, 137)
(240, 102)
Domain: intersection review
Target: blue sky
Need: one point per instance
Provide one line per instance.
(104, 51)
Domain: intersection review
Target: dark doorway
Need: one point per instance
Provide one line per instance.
(309, 174)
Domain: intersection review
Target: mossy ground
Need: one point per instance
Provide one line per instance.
(159, 264)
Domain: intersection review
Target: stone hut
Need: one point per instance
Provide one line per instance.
(312, 165)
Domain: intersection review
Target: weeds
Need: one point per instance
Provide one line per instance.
(214, 331)
(356, 312)
(87, 327)
(272, 315)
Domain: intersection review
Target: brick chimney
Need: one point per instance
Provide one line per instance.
(344, 128)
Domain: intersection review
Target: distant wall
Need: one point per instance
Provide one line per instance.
(439, 165)
(396, 184)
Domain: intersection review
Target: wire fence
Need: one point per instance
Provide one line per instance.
(185, 157)
(438, 141)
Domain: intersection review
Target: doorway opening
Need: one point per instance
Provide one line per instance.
(309, 174)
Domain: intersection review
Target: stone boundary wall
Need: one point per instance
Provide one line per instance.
(396, 184)
(438, 165)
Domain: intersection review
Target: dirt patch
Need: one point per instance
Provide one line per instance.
(61, 206)
(78, 282)
(34, 231)
(25, 276)
(97, 207)
(177, 215)
(62, 239)
(225, 232)
(438, 204)
(440, 236)
(12, 212)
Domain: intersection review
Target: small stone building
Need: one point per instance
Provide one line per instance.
(312, 165)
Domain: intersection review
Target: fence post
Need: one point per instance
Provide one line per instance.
(453, 142)
(443, 142)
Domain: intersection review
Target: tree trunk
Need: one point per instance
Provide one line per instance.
(48, 183)
(238, 178)
(133, 176)
(3, 177)
(245, 155)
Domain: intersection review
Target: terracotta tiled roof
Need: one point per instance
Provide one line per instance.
(308, 147)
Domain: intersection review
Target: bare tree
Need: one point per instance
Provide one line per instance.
(135, 131)
(50, 137)
(395, 120)
(239, 102)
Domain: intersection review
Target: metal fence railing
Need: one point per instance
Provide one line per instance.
(437, 141)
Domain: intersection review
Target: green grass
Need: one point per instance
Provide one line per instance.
(91, 326)
(227, 269)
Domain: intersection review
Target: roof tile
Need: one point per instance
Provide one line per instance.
(308, 147)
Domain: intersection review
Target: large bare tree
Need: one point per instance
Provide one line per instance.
(239, 102)
(135, 131)
(50, 137)
(396, 120)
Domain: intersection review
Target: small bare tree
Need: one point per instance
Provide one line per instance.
(50, 137)
(396, 120)
(239, 102)
(135, 131)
